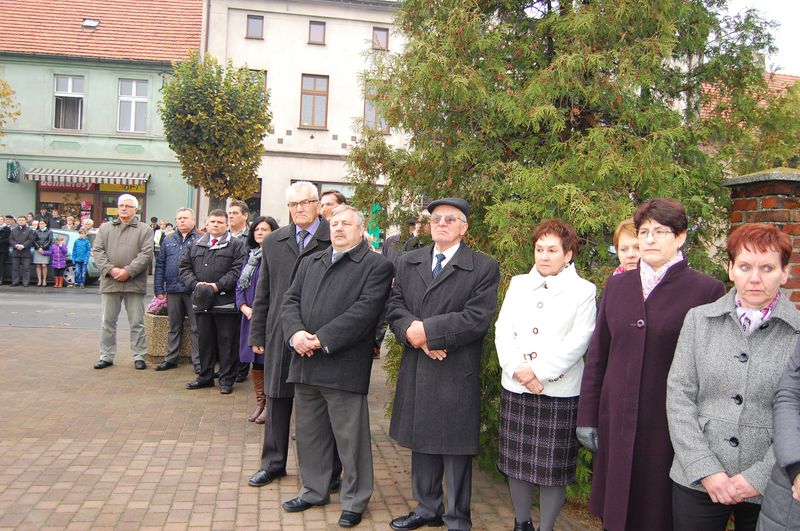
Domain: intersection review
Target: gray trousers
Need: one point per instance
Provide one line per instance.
(427, 471)
(134, 307)
(179, 306)
(20, 266)
(326, 415)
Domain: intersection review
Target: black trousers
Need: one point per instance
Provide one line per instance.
(427, 473)
(216, 338)
(275, 450)
(21, 267)
(3, 258)
(693, 510)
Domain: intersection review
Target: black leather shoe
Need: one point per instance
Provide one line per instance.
(166, 365)
(336, 484)
(349, 519)
(264, 477)
(198, 385)
(140, 365)
(102, 364)
(296, 505)
(412, 521)
(225, 389)
(523, 526)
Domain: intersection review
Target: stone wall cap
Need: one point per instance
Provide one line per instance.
(773, 174)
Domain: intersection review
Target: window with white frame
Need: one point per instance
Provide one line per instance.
(132, 116)
(68, 102)
(372, 116)
(314, 102)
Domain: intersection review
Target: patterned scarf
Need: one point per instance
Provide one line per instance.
(247, 271)
(650, 277)
(752, 318)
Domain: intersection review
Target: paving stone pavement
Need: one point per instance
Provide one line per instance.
(125, 449)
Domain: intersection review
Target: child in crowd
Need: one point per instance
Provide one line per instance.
(80, 257)
(58, 260)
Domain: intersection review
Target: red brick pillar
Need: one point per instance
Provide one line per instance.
(771, 196)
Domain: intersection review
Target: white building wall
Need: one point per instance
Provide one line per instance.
(291, 152)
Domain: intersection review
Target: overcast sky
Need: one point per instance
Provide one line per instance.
(787, 35)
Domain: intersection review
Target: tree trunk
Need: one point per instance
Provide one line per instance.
(216, 203)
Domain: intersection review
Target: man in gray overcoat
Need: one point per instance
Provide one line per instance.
(332, 362)
(308, 233)
(441, 306)
(123, 249)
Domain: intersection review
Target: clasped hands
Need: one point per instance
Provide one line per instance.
(120, 274)
(525, 375)
(304, 343)
(728, 490)
(415, 334)
(212, 284)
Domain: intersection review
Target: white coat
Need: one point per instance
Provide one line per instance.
(546, 322)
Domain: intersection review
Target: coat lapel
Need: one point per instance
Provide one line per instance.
(425, 266)
(461, 260)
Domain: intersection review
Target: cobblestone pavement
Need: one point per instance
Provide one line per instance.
(125, 449)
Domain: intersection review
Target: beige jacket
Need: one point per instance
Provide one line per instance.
(129, 246)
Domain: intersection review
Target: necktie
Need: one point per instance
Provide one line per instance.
(301, 241)
(335, 257)
(438, 268)
(214, 242)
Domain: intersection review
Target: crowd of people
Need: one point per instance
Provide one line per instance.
(688, 396)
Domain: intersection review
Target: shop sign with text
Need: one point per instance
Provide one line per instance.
(129, 188)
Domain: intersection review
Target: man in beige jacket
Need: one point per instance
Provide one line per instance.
(122, 250)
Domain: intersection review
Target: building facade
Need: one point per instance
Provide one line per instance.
(88, 89)
(312, 55)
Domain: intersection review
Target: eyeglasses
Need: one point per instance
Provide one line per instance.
(294, 204)
(449, 219)
(125, 206)
(658, 234)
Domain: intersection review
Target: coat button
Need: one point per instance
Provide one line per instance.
(738, 399)
(539, 304)
(640, 323)
(734, 441)
(742, 357)
(535, 330)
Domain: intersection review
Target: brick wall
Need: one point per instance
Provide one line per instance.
(772, 196)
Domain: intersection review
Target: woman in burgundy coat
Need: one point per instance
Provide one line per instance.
(622, 409)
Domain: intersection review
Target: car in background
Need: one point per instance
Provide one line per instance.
(92, 272)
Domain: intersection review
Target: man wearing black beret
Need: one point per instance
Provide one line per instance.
(443, 300)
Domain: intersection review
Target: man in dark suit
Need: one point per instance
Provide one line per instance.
(210, 268)
(443, 300)
(21, 240)
(307, 234)
(332, 362)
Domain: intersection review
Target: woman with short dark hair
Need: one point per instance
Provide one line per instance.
(541, 336)
(260, 228)
(622, 410)
(730, 356)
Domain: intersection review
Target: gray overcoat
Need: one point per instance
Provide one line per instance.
(125, 245)
(720, 391)
(437, 403)
(340, 303)
(279, 261)
(779, 511)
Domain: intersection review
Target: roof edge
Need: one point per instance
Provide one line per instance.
(772, 174)
(87, 58)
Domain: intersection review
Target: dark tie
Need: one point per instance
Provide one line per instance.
(438, 268)
(301, 242)
(214, 242)
(335, 257)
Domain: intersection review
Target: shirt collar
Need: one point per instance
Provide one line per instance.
(448, 254)
(311, 230)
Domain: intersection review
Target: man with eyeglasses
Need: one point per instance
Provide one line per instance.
(123, 249)
(308, 233)
(443, 300)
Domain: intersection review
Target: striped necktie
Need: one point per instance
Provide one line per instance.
(438, 268)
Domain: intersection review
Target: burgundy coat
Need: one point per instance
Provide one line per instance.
(623, 394)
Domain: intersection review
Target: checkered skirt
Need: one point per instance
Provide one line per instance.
(537, 438)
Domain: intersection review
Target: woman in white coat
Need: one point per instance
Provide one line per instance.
(542, 333)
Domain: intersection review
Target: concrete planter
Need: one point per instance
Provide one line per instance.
(156, 331)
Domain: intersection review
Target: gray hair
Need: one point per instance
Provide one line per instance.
(128, 197)
(345, 208)
(300, 185)
(185, 209)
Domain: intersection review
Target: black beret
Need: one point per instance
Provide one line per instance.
(203, 297)
(457, 202)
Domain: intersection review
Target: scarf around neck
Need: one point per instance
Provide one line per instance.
(253, 260)
(651, 278)
(752, 318)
